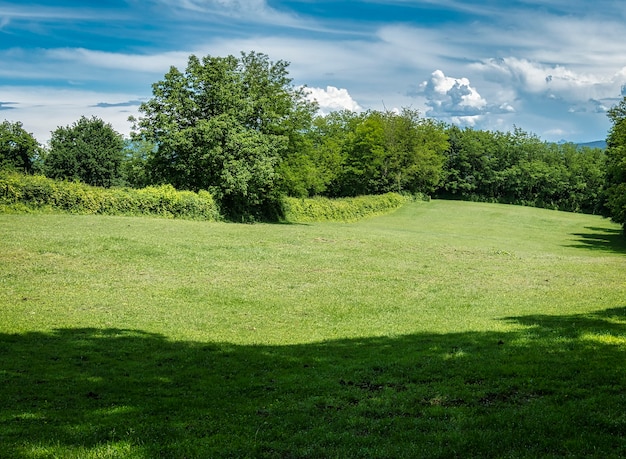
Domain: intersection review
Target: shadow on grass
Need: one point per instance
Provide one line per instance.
(555, 387)
(602, 239)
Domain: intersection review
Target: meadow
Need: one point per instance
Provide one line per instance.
(444, 329)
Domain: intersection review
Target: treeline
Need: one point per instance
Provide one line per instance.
(378, 152)
(518, 168)
(239, 129)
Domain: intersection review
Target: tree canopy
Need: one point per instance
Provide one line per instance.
(517, 167)
(225, 124)
(616, 164)
(89, 150)
(18, 149)
(377, 152)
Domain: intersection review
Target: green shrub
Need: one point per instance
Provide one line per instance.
(303, 210)
(21, 193)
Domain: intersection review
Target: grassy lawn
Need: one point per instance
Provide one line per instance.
(445, 329)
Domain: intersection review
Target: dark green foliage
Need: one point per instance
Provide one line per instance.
(516, 167)
(35, 192)
(89, 150)
(616, 165)
(394, 152)
(18, 149)
(586, 172)
(308, 169)
(330, 137)
(382, 152)
(134, 166)
(225, 125)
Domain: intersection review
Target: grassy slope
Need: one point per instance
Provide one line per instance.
(443, 329)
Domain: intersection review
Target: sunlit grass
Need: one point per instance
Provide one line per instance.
(444, 329)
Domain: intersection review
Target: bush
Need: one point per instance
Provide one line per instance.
(303, 210)
(20, 192)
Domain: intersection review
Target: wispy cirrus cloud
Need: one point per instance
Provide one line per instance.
(19, 16)
(133, 62)
(7, 105)
(129, 103)
(253, 11)
(548, 66)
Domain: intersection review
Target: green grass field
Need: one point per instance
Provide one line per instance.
(445, 329)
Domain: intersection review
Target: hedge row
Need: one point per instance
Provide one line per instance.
(343, 210)
(25, 193)
(35, 192)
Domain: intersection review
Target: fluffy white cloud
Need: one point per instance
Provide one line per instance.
(455, 100)
(332, 98)
(554, 81)
(452, 96)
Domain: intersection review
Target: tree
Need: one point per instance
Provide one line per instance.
(586, 175)
(311, 168)
(18, 149)
(517, 167)
(471, 164)
(423, 143)
(225, 124)
(90, 150)
(390, 151)
(616, 164)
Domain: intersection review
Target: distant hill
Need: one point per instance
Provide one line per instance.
(596, 144)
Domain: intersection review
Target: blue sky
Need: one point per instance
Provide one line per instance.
(550, 67)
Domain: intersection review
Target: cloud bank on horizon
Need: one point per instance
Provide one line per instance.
(550, 67)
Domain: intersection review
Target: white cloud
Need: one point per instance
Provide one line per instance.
(146, 63)
(453, 94)
(455, 100)
(557, 82)
(256, 11)
(447, 96)
(41, 13)
(42, 109)
(332, 98)
(534, 77)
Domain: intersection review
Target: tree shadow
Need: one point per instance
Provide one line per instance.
(552, 387)
(608, 239)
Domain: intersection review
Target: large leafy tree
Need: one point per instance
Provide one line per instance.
(225, 124)
(616, 164)
(89, 150)
(18, 149)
